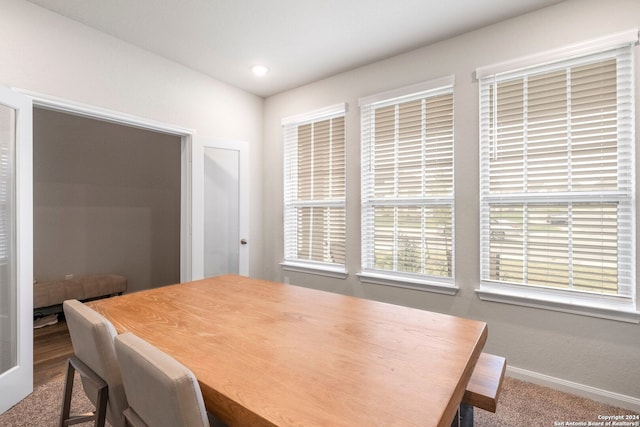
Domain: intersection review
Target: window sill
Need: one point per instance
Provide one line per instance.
(319, 269)
(408, 283)
(600, 306)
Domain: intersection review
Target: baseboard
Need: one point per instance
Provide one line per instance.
(604, 396)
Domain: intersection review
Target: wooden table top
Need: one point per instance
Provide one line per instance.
(269, 354)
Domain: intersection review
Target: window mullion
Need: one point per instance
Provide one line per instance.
(495, 119)
(423, 170)
(327, 215)
(569, 182)
(525, 183)
(569, 130)
(368, 138)
(396, 151)
(525, 134)
(570, 243)
(396, 181)
(396, 247)
(313, 194)
(525, 246)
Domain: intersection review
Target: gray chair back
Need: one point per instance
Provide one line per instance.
(161, 391)
(92, 339)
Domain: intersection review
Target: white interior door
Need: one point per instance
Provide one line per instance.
(224, 205)
(16, 248)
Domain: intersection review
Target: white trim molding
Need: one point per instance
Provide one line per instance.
(317, 268)
(93, 112)
(408, 282)
(604, 396)
(595, 45)
(566, 304)
(416, 90)
(315, 115)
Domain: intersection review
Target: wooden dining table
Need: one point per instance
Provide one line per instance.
(273, 354)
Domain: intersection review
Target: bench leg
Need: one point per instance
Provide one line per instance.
(464, 416)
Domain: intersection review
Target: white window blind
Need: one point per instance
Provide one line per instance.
(314, 189)
(557, 179)
(407, 184)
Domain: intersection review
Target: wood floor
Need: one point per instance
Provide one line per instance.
(51, 349)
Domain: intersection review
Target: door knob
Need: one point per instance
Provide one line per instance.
(243, 241)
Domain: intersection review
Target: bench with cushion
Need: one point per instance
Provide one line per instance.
(49, 296)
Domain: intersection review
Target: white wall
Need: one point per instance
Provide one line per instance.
(599, 353)
(45, 53)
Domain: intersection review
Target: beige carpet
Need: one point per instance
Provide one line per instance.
(42, 408)
(525, 404)
(521, 404)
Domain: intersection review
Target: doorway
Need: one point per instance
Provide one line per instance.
(106, 200)
(19, 377)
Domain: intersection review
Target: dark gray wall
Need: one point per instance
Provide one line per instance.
(106, 200)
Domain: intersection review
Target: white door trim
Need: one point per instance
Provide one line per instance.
(19, 379)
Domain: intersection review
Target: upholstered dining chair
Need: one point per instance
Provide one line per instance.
(95, 360)
(161, 391)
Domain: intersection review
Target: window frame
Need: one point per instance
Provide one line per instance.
(614, 307)
(291, 262)
(369, 274)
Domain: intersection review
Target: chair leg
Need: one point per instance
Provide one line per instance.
(68, 389)
(99, 415)
(101, 407)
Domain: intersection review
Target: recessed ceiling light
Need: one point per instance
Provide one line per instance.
(259, 70)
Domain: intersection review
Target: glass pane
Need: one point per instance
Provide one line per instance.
(437, 223)
(506, 241)
(563, 245)
(221, 211)
(507, 133)
(409, 243)
(438, 146)
(384, 238)
(321, 234)
(321, 160)
(8, 288)
(384, 152)
(548, 245)
(413, 239)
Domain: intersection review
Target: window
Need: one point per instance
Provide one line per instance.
(407, 187)
(557, 182)
(314, 191)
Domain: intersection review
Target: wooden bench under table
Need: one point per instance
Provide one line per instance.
(483, 388)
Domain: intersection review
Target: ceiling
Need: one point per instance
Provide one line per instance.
(301, 41)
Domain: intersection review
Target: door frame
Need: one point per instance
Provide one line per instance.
(188, 253)
(19, 378)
